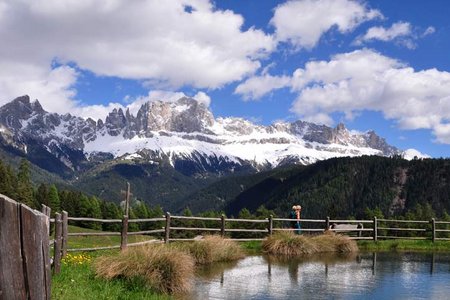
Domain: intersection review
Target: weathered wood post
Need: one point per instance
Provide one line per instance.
(46, 211)
(57, 244)
(270, 225)
(327, 223)
(375, 229)
(24, 252)
(65, 232)
(167, 229)
(124, 234)
(360, 226)
(222, 225)
(433, 230)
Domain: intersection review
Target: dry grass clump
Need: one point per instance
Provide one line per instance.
(335, 243)
(290, 244)
(163, 269)
(212, 248)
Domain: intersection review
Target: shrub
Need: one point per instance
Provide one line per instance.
(211, 249)
(163, 269)
(290, 244)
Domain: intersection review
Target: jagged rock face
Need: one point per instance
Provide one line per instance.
(186, 115)
(183, 132)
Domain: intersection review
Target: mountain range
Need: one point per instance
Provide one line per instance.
(181, 140)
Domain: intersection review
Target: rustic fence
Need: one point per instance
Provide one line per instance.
(24, 252)
(374, 229)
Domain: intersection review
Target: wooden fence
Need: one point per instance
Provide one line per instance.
(24, 252)
(374, 229)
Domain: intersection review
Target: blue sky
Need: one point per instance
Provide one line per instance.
(381, 65)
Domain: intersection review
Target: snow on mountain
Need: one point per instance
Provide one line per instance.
(183, 130)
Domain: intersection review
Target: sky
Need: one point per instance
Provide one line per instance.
(374, 65)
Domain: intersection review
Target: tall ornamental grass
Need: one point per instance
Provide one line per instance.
(290, 244)
(163, 269)
(211, 249)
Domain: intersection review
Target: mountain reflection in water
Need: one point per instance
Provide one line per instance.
(357, 276)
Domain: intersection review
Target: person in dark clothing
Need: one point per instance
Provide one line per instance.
(295, 215)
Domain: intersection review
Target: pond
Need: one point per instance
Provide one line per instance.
(361, 276)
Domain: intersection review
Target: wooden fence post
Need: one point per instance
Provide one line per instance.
(375, 229)
(270, 225)
(65, 232)
(57, 244)
(327, 223)
(167, 229)
(124, 234)
(222, 225)
(433, 230)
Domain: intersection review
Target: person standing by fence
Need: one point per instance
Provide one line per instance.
(295, 215)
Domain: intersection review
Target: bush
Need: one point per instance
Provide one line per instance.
(290, 244)
(163, 269)
(211, 249)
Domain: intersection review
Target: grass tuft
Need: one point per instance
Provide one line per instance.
(290, 244)
(163, 269)
(212, 248)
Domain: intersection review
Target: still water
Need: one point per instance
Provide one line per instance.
(362, 276)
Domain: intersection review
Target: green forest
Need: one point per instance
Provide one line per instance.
(360, 188)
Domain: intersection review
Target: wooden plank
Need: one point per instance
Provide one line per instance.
(93, 249)
(58, 244)
(301, 220)
(244, 230)
(402, 229)
(34, 244)
(403, 221)
(146, 220)
(248, 220)
(194, 218)
(123, 235)
(146, 231)
(12, 281)
(402, 237)
(65, 233)
(145, 243)
(93, 233)
(351, 221)
(95, 220)
(196, 229)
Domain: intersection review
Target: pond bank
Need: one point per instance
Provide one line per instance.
(255, 247)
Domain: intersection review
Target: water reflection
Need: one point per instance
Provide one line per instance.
(366, 275)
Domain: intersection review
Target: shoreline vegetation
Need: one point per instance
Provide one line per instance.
(292, 245)
(124, 275)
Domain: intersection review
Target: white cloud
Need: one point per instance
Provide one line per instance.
(152, 40)
(366, 80)
(255, 87)
(401, 32)
(428, 31)
(351, 83)
(302, 23)
(397, 29)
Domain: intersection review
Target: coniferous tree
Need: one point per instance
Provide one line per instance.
(53, 200)
(24, 186)
(42, 194)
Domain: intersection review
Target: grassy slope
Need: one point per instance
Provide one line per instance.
(99, 241)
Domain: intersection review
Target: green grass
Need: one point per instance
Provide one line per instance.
(76, 242)
(78, 281)
(404, 245)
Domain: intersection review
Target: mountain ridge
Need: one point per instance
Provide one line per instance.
(182, 131)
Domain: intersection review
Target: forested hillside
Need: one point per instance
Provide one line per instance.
(352, 187)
